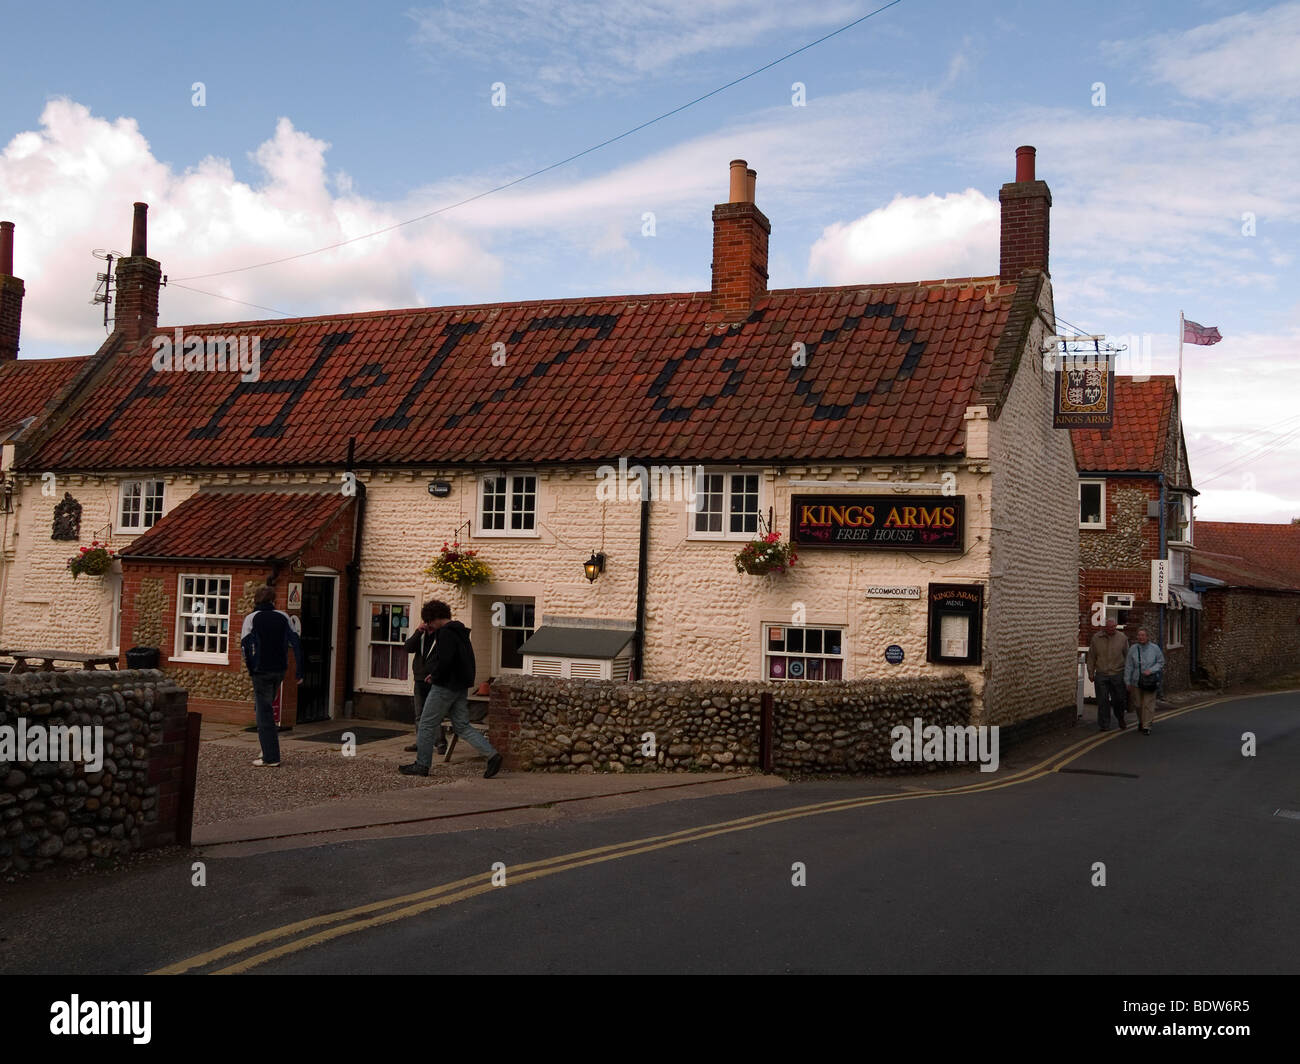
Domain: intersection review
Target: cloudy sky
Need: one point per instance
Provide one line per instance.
(1170, 137)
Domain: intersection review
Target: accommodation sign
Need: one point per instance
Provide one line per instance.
(879, 522)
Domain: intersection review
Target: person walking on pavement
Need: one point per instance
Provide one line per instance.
(265, 639)
(1107, 654)
(421, 644)
(1142, 672)
(450, 680)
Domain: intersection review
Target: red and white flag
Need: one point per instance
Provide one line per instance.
(1199, 334)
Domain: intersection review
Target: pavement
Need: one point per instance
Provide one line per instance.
(467, 802)
(514, 798)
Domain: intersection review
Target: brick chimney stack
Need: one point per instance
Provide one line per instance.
(138, 278)
(740, 232)
(1026, 211)
(11, 295)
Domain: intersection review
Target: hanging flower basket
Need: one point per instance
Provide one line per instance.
(766, 555)
(95, 560)
(455, 565)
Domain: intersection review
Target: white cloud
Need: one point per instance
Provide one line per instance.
(913, 238)
(69, 188)
(1252, 56)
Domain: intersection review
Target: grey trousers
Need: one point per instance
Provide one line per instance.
(443, 702)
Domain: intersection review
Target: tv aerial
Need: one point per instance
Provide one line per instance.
(104, 281)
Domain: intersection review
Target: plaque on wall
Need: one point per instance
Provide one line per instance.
(67, 519)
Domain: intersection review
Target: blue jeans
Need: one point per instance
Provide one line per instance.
(444, 702)
(265, 686)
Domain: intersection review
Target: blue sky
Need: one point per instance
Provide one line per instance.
(325, 121)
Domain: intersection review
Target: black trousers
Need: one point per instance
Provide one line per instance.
(1111, 695)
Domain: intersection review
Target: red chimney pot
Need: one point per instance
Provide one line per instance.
(6, 249)
(1025, 163)
(140, 230)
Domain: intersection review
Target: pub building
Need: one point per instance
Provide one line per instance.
(607, 458)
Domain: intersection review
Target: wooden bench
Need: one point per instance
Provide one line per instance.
(43, 660)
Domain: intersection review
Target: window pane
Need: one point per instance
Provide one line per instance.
(776, 639)
(1090, 504)
(744, 502)
(379, 661)
(794, 639)
(834, 669)
(813, 641)
(776, 668)
(832, 642)
(708, 503)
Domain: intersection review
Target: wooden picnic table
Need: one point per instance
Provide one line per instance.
(25, 660)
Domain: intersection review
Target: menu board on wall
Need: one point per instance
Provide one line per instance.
(879, 522)
(956, 624)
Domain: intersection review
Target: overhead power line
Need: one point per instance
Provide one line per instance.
(544, 169)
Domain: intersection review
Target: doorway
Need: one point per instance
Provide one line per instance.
(315, 696)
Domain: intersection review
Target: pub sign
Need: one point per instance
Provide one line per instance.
(1084, 393)
(879, 522)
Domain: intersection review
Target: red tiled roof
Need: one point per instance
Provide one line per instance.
(1136, 442)
(234, 525)
(27, 384)
(1246, 554)
(889, 372)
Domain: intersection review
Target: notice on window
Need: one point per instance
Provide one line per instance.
(954, 635)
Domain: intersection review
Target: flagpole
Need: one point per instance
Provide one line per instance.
(1178, 401)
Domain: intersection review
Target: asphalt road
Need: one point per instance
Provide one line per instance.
(1200, 877)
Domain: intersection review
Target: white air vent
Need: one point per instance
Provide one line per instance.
(587, 670)
(546, 666)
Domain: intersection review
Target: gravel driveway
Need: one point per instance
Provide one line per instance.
(230, 787)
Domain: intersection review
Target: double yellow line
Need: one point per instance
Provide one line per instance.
(292, 938)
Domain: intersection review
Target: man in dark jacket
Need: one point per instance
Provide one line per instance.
(450, 679)
(421, 644)
(265, 640)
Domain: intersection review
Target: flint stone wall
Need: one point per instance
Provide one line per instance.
(548, 725)
(52, 811)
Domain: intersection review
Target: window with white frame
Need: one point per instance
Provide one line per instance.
(1092, 504)
(1178, 567)
(1179, 528)
(801, 653)
(203, 618)
(1116, 608)
(517, 624)
(725, 506)
(386, 657)
(140, 504)
(507, 505)
(1174, 628)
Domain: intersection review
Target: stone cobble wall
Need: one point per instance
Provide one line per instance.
(1130, 539)
(546, 725)
(60, 811)
(1247, 636)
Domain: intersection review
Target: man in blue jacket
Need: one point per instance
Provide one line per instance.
(265, 640)
(1142, 674)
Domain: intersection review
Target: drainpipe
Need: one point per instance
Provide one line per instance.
(1160, 636)
(354, 588)
(642, 572)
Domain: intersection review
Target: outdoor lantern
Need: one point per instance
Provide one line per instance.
(594, 566)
